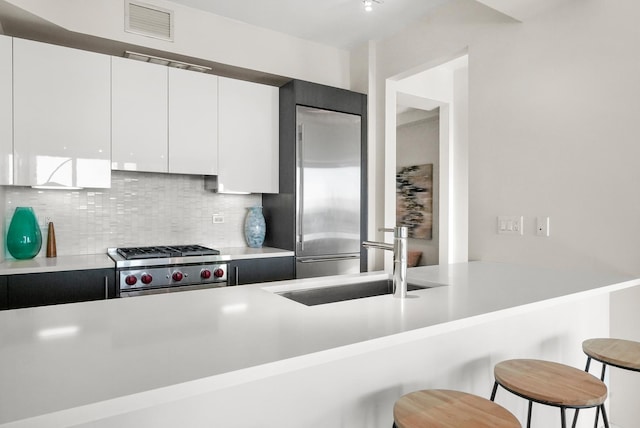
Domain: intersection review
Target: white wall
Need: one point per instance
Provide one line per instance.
(554, 133)
(553, 129)
(460, 174)
(363, 79)
(418, 143)
(204, 35)
(360, 68)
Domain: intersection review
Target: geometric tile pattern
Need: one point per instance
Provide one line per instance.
(139, 209)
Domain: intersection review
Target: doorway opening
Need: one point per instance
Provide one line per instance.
(427, 124)
(417, 181)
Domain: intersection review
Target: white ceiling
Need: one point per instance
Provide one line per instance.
(339, 23)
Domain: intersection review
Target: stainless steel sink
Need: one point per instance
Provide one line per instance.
(339, 293)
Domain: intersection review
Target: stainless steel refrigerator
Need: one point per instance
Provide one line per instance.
(328, 192)
(320, 210)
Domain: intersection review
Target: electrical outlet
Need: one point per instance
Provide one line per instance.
(542, 226)
(510, 225)
(218, 218)
(43, 221)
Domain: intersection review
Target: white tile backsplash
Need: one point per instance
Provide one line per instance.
(139, 209)
(3, 214)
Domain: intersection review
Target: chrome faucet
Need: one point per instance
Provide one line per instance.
(399, 248)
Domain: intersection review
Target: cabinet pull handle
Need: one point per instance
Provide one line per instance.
(328, 259)
(237, 276)
(106, 287)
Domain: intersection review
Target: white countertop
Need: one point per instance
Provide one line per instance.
(102, 261)
(56, 264)
(240, 253)
(117, 355)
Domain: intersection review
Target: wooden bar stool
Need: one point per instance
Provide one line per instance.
(550, 383)
(440, 408)
(624, 354)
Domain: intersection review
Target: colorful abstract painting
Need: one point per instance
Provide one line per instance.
(414, 199)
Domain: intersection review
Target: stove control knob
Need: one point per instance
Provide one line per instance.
(205, 274)
(218, 273)
(131, 280)
(177, 276)
(146, 278)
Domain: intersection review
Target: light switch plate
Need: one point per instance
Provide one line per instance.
(218, 218)
(510, 224)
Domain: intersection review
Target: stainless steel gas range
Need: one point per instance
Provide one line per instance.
(163, 269)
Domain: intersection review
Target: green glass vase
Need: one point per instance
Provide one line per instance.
(24, 238)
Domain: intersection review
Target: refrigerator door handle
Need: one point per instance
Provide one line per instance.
(300, 187)
(328, 259)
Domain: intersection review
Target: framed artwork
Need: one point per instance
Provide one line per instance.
(414, 199)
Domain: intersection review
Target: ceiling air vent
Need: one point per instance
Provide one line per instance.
(152, 21)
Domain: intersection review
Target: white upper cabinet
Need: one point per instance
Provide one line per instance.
(247, 137)
(62, 115)
(139, 110)
(193, 122)
(6, 110)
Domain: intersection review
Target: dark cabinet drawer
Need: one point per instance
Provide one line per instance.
(251, 271)
(51, 288)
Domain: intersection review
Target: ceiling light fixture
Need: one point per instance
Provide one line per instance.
(368, 4)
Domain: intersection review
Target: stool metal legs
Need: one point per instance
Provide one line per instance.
(563, 417)
(493, 397)
(599, 408)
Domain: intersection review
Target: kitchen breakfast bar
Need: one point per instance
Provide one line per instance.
(246, 356)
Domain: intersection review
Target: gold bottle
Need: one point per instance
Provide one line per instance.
(51, 241)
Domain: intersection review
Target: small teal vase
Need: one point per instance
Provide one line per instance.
(255, 227)
(24, 238)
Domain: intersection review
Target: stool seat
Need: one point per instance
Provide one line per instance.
(439, 408)
(551, 383)
(620, 353)
(624, 354)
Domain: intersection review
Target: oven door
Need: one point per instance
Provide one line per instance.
(163, 290)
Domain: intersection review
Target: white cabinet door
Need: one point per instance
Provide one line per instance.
(139, 110)
(247, 137)
(193, 122)
(6, 110)
(62, 123)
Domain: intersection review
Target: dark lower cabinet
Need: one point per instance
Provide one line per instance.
(51, 288)
(3, 293)
(251, 271)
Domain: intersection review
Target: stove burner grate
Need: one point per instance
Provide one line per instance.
(159, 252)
